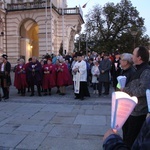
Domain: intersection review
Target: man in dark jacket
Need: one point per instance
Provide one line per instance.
(116, 69)
(137, 86)
(35, 75)
(127, 68)
(104, 77)
(5, 68)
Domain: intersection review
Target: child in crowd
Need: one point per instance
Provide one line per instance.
(95, 74)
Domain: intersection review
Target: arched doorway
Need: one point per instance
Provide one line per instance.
(29, 42)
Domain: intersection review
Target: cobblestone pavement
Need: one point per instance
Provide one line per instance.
(53, 122)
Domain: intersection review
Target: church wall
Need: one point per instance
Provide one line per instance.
(16, 18)
(2, 33)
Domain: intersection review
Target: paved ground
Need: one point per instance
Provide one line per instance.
(53, 122)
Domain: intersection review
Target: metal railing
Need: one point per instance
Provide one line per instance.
(23, 6)
(42, 5)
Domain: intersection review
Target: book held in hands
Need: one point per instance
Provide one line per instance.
(121, 108)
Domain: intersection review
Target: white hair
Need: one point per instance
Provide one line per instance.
(21, 60)
(127, 57)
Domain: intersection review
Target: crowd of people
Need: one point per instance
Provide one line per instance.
(58, 71)
(42, 74)
(95, 70)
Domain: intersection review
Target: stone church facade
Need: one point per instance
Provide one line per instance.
(36, 27)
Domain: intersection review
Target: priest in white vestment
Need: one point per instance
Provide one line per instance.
(80, 78)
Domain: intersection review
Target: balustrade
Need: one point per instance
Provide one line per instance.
(41, 5)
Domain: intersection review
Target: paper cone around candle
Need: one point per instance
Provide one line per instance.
(148, 98)
(122, 106)
(121, 81)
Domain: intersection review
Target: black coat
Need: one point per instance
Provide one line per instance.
(128, 73)
(34, 72)
(115, 71)
(105, 65)
(6, 74)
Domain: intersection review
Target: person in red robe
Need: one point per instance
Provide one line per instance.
(62, 76)
(21, 77)
(49, 76)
